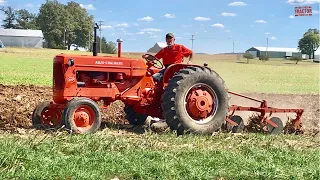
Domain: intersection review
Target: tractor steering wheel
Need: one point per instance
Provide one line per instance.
(154, 61)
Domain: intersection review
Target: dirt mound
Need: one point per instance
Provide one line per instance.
(18, 102)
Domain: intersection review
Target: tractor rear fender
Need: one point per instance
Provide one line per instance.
(173, 69)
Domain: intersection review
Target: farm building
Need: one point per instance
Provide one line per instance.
(157, 47)
(21, 38)
(275, 52)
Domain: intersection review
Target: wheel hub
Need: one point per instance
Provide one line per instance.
(83, 117)
(199, 103)
(50, 117)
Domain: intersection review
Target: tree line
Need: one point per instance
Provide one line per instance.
(62, 25)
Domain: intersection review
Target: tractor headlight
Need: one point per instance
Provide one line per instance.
(70, 62)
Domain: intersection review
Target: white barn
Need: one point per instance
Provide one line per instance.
(21, 38)
(157, 47)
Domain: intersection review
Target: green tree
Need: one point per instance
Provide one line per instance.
(106, 47)
(79, 26)
(10, 17)
(64, 25)
(310, 42)
(248, 56)
(25, 19)
(52, 20)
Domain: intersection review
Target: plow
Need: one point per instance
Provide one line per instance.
(190, 98)
(268, 122)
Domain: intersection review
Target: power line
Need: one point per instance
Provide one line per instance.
(192, 41)
(100, 29)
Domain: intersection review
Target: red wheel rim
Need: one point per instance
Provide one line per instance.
(83, 117)
(51, 117)
(201, 102)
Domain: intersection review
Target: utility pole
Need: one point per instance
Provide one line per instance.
(192, 42)
(89, 41)
(64, 38)
(100, 29)
(233, 47)
(267, 46)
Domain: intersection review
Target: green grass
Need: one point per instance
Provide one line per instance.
(149, 156)
(34, 66)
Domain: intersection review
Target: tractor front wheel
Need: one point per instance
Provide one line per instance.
(195, 100)
(82, 116)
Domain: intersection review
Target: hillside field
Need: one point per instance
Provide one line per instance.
(125, 152)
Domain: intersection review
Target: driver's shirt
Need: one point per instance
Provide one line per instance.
(173, 55)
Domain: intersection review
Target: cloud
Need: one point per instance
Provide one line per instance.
(29, 5)
(2, 2)
(88, 7)
(228, 14)
(291, 17)
(237, 3)
(295, 2)
(267, 33)
(315, 12)
(273, 38)
(147, 18)
(261, 21)
(123, 25)
(202, 18)
(106, 27)
(153, 36)
(150, 30)
(169, 16)
(228, 30)
(218, 25)
(185, 25)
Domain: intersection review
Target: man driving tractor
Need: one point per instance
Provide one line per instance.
(172, 54)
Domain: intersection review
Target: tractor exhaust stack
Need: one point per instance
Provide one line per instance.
(119, 46)
(94, 48)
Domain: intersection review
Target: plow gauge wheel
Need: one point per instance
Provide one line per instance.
(239, 127)
(275, 130)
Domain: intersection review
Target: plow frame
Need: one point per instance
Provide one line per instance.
(264, 110)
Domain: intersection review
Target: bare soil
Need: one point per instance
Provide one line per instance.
(18, 102)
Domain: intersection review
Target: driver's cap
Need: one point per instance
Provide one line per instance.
(169, 35)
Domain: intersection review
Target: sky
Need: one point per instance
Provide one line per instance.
(218, 26)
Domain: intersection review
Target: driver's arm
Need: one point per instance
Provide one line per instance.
(160, 54)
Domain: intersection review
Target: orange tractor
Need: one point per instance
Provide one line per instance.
(189, 97)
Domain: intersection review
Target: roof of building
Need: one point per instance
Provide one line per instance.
(161, 44)
(21, 32)
(277, 49)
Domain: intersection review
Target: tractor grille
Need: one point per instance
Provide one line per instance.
(58, 75)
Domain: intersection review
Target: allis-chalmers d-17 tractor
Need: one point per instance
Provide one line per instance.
(190, 97)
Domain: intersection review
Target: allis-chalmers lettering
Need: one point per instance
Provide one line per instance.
(109, 62)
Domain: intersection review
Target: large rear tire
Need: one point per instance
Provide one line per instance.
(195, 100)
(82, 116)
(133, 117)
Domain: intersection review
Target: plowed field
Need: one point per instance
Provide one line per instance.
(17, 104)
